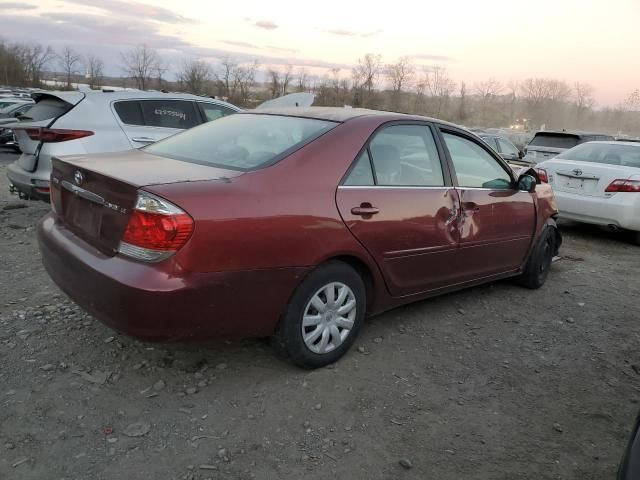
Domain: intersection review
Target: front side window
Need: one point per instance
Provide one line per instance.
(507, 147)
(474, 166)
(241, 142)
(178, 114)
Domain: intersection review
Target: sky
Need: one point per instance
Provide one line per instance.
(592, 41)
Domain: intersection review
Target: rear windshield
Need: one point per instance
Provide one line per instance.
(625, 155)
(47, 108)
(554, 140)
(241, 142)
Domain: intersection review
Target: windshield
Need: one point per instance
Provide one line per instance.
(554, 140)
(625, 155)
(241, 142)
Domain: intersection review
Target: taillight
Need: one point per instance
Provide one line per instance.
(622, 185)
(542, 175)
(54, 135)
(156, 229)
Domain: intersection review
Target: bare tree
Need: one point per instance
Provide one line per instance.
(274, 82)
(462, 108)
(439, 87)
(69, 61)
(225, 77)
(159, 69)
(94, 70)
(139, 63)
(365, 77)
(36, 57)
(487, 90)
(194, 75)
(400, 73)
(583, 93)
(243, 79)
(286, 78)
(302, 79)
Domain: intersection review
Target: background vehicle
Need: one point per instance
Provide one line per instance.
(291, 223)
(630, 464)
(546, 145)
(6, 102)
(598, 183)
(66, 123)
(503, 146)
(9, 115)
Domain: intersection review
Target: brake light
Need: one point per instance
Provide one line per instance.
(156, 229)
(622, 185)
(54, 135)
(542, 175)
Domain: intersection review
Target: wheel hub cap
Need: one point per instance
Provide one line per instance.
(328, 318)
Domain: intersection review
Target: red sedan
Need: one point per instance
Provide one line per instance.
(294, 224)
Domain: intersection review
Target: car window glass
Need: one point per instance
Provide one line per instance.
(491, 141)
(48, 108)
(241, 142)
(361, 174)
(554, 140)
(406, 155)
(474, 166)
(625, 155)
(129, 112)
(506, 147)
(169, 113)
(212, 111)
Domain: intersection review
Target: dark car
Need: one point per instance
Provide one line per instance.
(504, 147)
(630, 465)
(545, 145)
(10, 115)
(291, 223)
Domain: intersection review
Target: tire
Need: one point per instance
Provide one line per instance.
(311, 301)
(539, 263)
(635, 237)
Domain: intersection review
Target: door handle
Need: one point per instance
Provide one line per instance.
(470, 207)
(365, 209)
(143, 139)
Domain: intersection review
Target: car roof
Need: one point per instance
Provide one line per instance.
(343, 114)
(615, 142)
(108, 96)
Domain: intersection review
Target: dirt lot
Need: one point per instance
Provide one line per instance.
(496, 382)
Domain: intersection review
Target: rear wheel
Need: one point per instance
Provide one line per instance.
(537, 268)
(323, 317)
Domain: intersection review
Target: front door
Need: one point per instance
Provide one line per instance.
(497, 221)
(398, 203)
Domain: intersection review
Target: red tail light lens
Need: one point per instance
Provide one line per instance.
(156, 229)
(54, 135)
(622, 185)
(542, 175)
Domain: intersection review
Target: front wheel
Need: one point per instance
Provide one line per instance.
(539, 263)
(323, 317)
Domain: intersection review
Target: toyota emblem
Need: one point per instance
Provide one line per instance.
(577, 172)
(78, 177)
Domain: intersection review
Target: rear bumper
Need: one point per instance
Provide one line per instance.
(30, 185)
(621, 209)
(162, 302)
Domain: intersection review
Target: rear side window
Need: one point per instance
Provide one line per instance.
(241, 142)
(129, 112)
(169, 113)
(48, 108)
(506, 147)
(212, 111)
(406, 155)
(554, 140)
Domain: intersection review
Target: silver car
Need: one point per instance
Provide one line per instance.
(69, 123)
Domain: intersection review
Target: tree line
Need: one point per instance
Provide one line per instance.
(400, 85)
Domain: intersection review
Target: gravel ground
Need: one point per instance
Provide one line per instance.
(495, 382)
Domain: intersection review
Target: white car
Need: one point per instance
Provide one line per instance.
(598, 183)
(69, 123)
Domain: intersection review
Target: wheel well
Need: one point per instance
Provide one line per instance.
(364, 271)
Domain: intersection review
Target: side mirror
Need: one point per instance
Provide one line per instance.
(527, 183)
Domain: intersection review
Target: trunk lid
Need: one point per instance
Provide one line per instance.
(585, 178)
(94, 195)
(47, 109)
